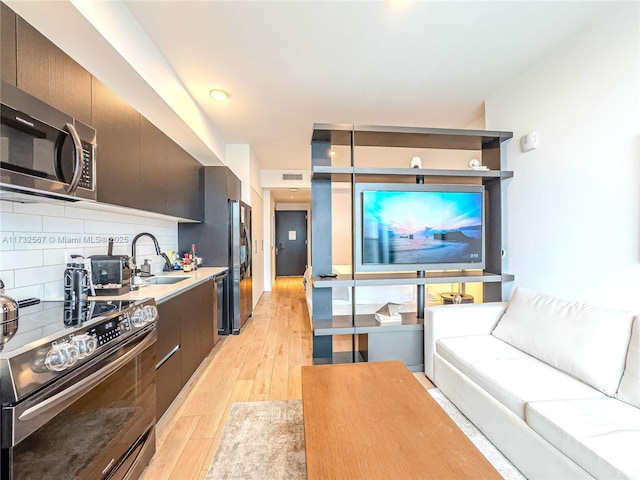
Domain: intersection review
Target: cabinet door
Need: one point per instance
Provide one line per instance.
(207, 319)
(196, 310)
(176, 182)
(218, 304)
(184, 189)
(168, 384)
(169, 373)
(153, 168)
(7, 44)
(118, 134)
(47, 73)
(194, 198)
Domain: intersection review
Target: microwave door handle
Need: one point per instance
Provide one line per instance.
(77, 166)
(58, 402)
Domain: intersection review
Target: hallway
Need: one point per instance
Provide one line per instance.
(262, 363)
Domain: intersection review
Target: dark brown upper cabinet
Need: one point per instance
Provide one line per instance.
(118, 134)
(47, 73)
(153, 168)
(137, 165)
(184, 184)
(8, 66)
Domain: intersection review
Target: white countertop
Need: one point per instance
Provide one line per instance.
(164, 292)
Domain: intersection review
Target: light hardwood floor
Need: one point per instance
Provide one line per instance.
(262, 363)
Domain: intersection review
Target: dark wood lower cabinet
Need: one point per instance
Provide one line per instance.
(185, 337)
(168, 384)
(207, 327)
(190, 330)
(168, 355)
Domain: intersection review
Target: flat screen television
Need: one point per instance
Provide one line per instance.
(415, 227)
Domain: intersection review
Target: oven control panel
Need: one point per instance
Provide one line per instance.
(70, 346)
(111, 329)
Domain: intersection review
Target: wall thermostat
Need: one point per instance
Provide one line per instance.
(529, 141)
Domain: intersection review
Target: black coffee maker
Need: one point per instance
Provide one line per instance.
(111, 274)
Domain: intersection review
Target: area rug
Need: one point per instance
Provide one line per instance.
(265, 441)
(262, 441)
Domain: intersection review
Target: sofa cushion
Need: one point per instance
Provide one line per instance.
(629, 390)
(585, 341)
(601, 435)
(472, 349)
(509, 375)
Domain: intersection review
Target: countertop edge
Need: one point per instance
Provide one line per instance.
(162, 293)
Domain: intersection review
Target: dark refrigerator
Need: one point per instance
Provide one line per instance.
(246, 282)
(239, 265)
(224, 239)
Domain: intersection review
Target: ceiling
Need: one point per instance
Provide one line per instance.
(288, 65)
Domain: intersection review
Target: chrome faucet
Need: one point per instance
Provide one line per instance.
(167, 263)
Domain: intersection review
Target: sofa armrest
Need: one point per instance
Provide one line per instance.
(444, 321)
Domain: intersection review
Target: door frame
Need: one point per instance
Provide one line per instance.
(307, 213)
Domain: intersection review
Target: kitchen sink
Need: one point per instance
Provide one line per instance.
(164, 280)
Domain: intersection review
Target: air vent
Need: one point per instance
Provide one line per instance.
(291, 176)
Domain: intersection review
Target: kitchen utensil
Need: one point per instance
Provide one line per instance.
(10, 315)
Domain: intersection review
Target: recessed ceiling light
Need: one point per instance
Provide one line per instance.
(219, 95)
(293, 189)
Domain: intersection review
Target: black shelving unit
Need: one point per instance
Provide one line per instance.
(404, 341)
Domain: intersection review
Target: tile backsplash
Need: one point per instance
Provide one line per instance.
(37, 239)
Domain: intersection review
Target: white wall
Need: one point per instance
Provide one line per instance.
(341, 226)
(268, 209)
(257, 245)
(243, 163)
(238, 157)
(572, 208)
(37, 239)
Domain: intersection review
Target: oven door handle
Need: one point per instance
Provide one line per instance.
(83, 386)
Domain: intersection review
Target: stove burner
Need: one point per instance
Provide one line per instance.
(101, 308)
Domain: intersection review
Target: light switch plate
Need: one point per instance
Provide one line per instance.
(529, 141)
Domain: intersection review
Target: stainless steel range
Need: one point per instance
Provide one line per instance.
(77, 389)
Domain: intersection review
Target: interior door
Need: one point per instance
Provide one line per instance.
(291, 242)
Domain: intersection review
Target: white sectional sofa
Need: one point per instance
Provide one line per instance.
(555, 385)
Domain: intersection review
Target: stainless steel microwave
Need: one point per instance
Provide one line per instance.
(44, 152)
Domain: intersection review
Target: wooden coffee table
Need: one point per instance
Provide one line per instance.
(375, 421)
